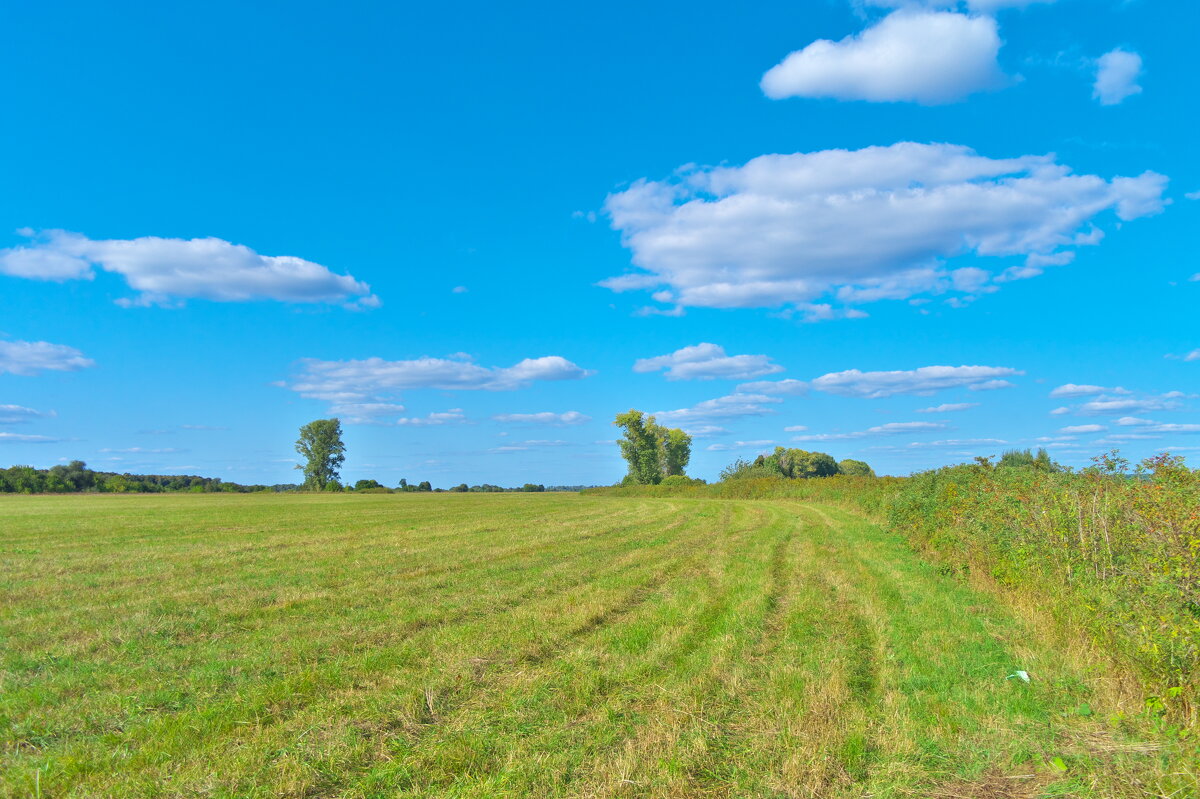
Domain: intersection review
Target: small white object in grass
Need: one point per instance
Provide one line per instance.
(1023, 676)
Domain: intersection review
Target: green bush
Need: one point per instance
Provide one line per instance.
(1115, 554)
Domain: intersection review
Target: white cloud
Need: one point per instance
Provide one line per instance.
(1075, 390)
(166, 271)
(990, 385)
(546, 418)
(1174, 428)
(1194, 355)
(739, 445)
(452, 416)
(796, 428)
(145, 451)
(525, 446)
(1063, 411)
(1082, 428)
(954, 442)
(1106, 404)
(981, 6)
(707, 362)
(30, 357)
(19, 414)
(788, 387)
(913, 55)
(889, 429)
(357, 380)
(923, 381)
(1132, 421)
(862, 225)
(365, 412)
(732, 406)
(1117, 73)
(950, 407)
(703, 430)
(20, 438)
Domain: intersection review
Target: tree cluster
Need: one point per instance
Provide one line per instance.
(794, 464)
(1026, 459)
(652, 451)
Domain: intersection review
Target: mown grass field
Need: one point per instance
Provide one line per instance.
(534, 645)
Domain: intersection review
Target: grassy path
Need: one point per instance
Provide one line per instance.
(516, 646)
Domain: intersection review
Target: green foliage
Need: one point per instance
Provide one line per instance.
(321, 445)
(1114, 553)
(854, 468)
(795, 464)
(363, 485)
(674, 480)
(1025, 459)
(651, 450)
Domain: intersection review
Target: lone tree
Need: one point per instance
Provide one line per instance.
(651, 450)
(321, 445)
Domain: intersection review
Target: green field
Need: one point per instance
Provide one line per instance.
(522, 646)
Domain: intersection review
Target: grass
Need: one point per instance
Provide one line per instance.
(538, 645)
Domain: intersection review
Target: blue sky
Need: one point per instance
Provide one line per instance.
(477, 232)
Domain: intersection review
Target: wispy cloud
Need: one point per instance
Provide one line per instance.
(706, 361)
(30, 357)
(889, 429)
(359, 380)
(950, 407)
(922, 382)
(544, 418)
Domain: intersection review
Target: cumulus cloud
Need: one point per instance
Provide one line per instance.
(358, 380)
(1117, 73)
(913, 55)
(889, 429)
(860, 225)
(19, 414)
(707, 362)
(166, 271)
(1194, 355)
(1076, 390)
(546, 417)
(980, 6)
(950, 407)
(922, 382)
(732, 406)
(30, 357)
